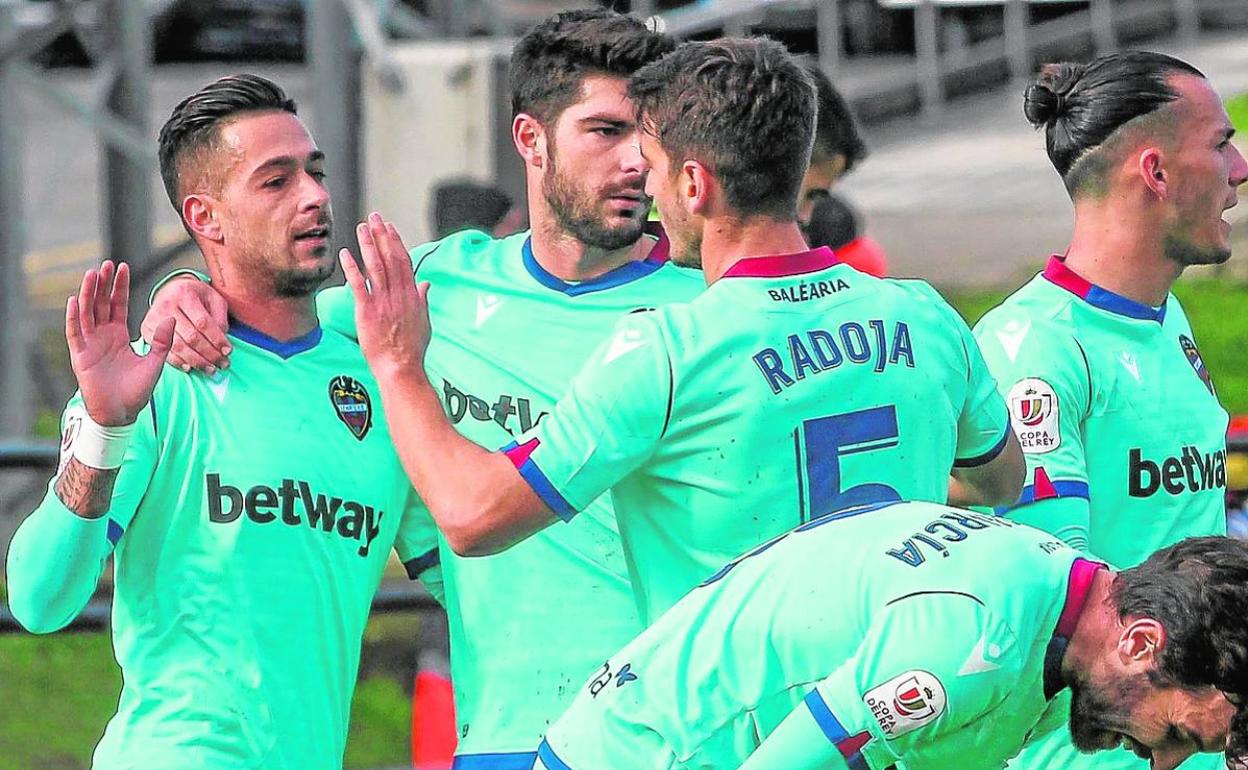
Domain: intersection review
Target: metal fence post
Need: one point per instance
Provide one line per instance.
(828, 29)
(127, 202)
(927, 54)
(1016, 44)
(334, 65)
(16, 403)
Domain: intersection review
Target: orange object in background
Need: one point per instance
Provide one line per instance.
(865, 255)
(433, 722)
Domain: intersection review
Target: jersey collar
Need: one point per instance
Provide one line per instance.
(625, 273)
(1082, 573)
(283, 350)
(782, 265)
(1058, 273)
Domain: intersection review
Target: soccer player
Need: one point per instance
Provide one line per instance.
(826, 218)
(923, 636)
(249, 514)
(792, 387)
(516, 318)
(1117, 414)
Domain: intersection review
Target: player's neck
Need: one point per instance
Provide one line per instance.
(727, 241)
(1096, 629)
(1121, 254)
(564, 256)
(282, 318)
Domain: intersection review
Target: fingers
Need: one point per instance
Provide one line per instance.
(202, 332)
(374, 268)
(355, 278)
(162, 340)
(193, 348)
(86, 301)
(73, 326)
(103, 291)
(219, 312)
(119, 300)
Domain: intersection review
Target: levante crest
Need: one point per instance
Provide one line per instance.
(1193, 358)
(352, 404)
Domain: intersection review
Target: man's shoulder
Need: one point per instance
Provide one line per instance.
(464, 255)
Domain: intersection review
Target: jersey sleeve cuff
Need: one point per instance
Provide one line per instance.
(426, 561)
(986, 457)
(520, 456)
(849, 746)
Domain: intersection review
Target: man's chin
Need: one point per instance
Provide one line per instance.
(301, 283)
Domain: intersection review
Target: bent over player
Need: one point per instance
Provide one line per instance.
(926, 637)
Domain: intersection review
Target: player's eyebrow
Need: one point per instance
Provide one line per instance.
(287, 162)
(601, 120)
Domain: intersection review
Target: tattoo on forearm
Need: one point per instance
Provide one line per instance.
(84, 490)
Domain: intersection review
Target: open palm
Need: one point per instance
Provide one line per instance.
(116, 383)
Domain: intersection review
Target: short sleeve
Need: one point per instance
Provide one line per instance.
(895, 697)
(608, 423)
(983, 423)
(416, 545)
(1043, 374)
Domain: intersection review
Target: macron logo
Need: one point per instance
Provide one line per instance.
(1012, 336)
(624, 343)
(487, 305)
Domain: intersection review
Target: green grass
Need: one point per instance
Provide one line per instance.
(59, 691)
(1218, 311)
(1237, 108)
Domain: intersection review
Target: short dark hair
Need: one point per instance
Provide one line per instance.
(836, 130)
(194, 125)
(743, 107)
(462, 204)
(1080, 106)
(1198, 590)
(550, 62)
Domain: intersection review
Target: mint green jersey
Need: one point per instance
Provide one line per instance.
(792, 387)
(1124, 437)
(527, 625)
(249, 526)
(908, 634)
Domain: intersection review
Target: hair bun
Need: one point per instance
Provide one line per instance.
(1042, 105)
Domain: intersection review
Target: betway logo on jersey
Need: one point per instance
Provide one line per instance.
(1191, 471)
(294, 503)
(460, 404)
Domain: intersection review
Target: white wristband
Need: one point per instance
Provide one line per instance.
(99, 446)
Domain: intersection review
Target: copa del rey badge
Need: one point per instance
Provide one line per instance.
(352, 404)
(906, 702)
(1034, 414)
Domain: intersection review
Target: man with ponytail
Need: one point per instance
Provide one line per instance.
(1112, 403)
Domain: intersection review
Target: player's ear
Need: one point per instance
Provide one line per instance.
(697, 187)
(529, 137)
(199, 211)
(1140, 643)
(1152, 171)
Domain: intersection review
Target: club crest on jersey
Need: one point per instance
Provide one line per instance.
(907, 702)
(1034, 409)
(1198, 363)
(352, 405)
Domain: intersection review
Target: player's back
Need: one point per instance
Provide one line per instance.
(798, 386)
(707, 682)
